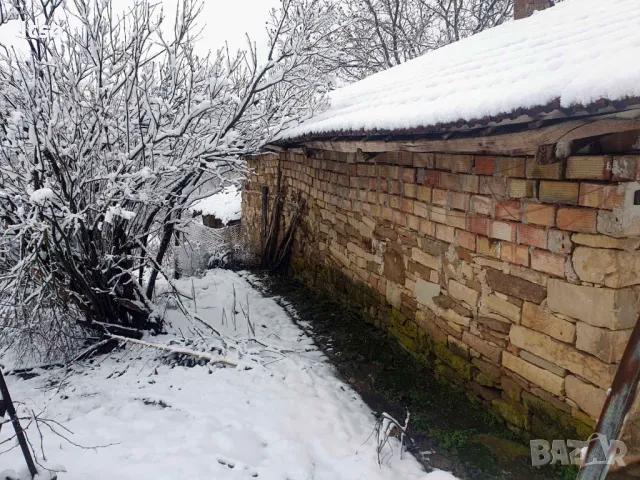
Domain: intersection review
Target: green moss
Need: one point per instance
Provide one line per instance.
(502, 447)
(517, 416)
(463, 368)
(551, 422)
(484, 379)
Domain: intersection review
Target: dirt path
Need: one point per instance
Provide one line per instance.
(450, 431)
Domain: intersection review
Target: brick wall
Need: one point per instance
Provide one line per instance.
(515, 280)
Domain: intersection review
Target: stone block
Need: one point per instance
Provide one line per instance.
(423, 258)
(607, 345)
(559, 241)
(588, 397)
(463, 293)
(498, 325)
(514, 286)
(492, 303)
(542, 363)
(600, 307)
(492, 352)
(563, 355)
(613, 268)
(425, 291)
(536, 375)
(516, 415)
(538, 319)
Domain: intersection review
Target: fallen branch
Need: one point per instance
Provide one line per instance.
(181, 351)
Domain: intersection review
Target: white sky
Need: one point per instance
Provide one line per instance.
(224, 20)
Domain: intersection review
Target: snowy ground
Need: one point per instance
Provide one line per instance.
(287, 417)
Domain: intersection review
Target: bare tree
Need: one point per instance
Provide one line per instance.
(379, 34)
(106, 129)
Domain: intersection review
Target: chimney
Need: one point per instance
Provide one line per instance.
(524, 8)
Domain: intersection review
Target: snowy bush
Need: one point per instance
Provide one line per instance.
(105, 132)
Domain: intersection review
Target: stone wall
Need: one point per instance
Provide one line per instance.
(517, 281)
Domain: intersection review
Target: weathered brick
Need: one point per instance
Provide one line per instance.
(488, 247)
(509, 210)
(548, 262)
(625, 167)
(539, 214)
(538, 376)
(446, 233)
(409, 175)
(563, 355)
(552, 171)
(596, 195)
(466, 240)
(513, 253)
(428, 228)
(439, 197)
(423, 193)
(493, 186)
(447, 181)
(503, 231)
(468, 183)
(530, 235)
(482, 205)
(444, 161)
(423, 160)
(559, 192)
(456, 219)
(521, 188)
(589, 167)
(538, 319)
(510, 167)
(462, 163)
(459, 201)
(577, 219)
(484, 165)
(478, 225)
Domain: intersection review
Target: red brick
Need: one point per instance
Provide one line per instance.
(484, 165)
(459, 201)
(517, 254)
(478, 225)
(540, 214)
(577, 219)
(548, 262)
(407, 205)
(448, 181)
(467, 240)
(443, 161)
(409, 175)
(405, 158)
(428, 228)
(439, 197)
(509, 210)
(445, 233)
(399, 217)
(430, 178)
(530, 235)
(503, 231)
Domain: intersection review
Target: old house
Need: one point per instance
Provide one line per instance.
(481, 204)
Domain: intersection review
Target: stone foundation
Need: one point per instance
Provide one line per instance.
(516, 281)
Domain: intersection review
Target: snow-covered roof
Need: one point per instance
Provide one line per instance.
(225, 205)
(575, 53)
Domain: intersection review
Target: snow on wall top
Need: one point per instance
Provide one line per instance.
(225, 205)
(578, 51)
